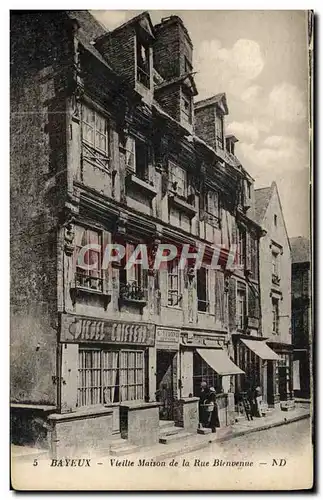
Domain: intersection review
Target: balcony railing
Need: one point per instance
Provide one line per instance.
(132, 291)
(89, 282)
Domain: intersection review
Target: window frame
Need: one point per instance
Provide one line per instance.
(91, 152)
(219, 130)
(182, 182)
(241, 312)
(207, 290)
(275, 315)
(141, 69)
(83, 274)
(99, 398)
(178, 290)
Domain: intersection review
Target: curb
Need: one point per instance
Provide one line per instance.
(204, 444)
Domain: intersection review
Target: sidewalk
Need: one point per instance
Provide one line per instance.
(161, 452)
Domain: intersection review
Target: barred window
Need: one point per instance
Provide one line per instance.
(110, 376)
(88, 268)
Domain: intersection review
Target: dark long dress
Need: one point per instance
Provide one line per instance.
(214, 417)
(202, 416)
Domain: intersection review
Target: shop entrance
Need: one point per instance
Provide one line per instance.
(283, 383)
(165, 384)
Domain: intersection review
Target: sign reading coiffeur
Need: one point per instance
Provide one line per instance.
(79, 329)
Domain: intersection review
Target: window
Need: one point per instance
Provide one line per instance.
(202, 372)
(275, 220)
(186, 108)
(275, 270)
(203, 290)
(178, 180)
(188, 68)
(249, 189)
(275, 305)
(174, 284)
(90, 277)
(109, 376)
(219, 131)
(241, 246)
(143, 63)
(95, 138)
(212, 208)
(241, 307)
(137, 158)
(133, 281)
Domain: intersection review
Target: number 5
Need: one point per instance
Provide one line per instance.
(35, 462)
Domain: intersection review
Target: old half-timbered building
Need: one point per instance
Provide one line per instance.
(109, 148)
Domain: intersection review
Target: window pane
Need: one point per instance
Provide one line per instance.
(88, 133)
(100, 141)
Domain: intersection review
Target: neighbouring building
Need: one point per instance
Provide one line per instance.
(275, 292)
(301, 316)
(107, 147)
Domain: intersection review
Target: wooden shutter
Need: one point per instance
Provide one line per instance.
(69, 376)
(232, 304)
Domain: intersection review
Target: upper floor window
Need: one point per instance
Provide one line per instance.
(186, 108)
(203, 290)
(143, 62)
(88, 265)
(241, 306)
(275, 220)
(241, 246)
(137, 157)
(219, 131)
(133, 281)
(178, 180)
(174, 284)
(275, 268)
(212, 207)
(275, 306)
(95, 130)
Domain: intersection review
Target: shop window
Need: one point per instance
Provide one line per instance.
(202, 372)
(174, 284)
(88, 269)
(203, 290)
(137, 158)
(110, 376)
(178, 180)
(275, 311)
(95, 138)
(143, 62)
(241, 306)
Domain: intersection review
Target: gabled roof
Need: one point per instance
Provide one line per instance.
(91, 27)
(187, 79)
(143, 19)
(300, 249)
(218, 100)
(262, 198)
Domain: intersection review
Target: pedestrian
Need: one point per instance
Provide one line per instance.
(213, 419)
(202, 395)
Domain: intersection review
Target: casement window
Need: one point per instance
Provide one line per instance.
(178, 179)
(186, 108)
(241, 306)
(203, 290)
(88, 266)
(174, 284)
(133, 281)
(137, 157)
(109, 376)
(95, 138)
(212, 208)
(219, 131)
(275, 310)
(275, 267)
(202, 372)
(241, 246)
(143, 62)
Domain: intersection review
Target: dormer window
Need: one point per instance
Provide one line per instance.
(219, 131)
(186, 108)
(143, 62)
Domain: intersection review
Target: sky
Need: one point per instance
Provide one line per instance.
(259, 59)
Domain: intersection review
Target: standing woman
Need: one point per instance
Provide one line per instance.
(214, 417)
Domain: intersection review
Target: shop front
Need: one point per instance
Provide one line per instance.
(259, 362)
(284, 370)
(204, 358)
(106, 367)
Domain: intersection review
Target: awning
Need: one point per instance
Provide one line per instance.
(219, 361)
(260, 348)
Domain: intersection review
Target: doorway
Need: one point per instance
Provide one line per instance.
(283, 383)
(165, 384)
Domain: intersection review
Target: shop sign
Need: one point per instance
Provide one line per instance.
(167, 338)
(202, 340)
(79, 329)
